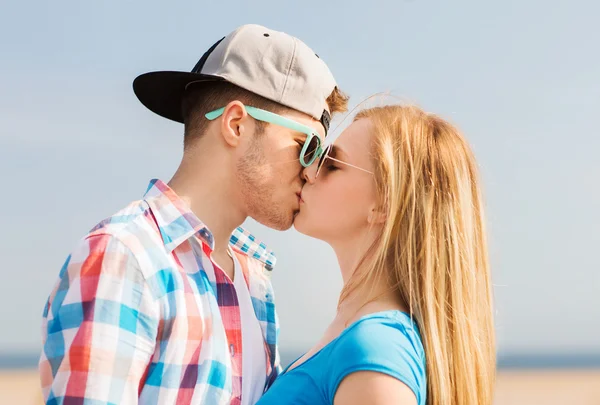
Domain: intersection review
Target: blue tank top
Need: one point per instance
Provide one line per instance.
(386, 342)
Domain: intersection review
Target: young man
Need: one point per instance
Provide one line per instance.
(169, 301)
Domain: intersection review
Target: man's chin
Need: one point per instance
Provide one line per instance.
(279, 224)
(283, 227)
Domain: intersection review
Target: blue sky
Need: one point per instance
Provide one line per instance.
(519, 77)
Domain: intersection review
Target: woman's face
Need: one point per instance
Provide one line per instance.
(340, 202)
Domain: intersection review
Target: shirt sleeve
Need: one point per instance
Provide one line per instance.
(99, 327)
(379, 346)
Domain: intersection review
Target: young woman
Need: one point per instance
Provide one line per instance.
(398, 198)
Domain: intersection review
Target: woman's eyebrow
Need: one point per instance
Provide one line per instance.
(338, 152)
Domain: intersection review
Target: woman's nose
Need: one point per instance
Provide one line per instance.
(309, 173)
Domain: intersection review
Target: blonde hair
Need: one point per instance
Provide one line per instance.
(433, 249)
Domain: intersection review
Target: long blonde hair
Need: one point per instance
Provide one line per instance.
(433, 248)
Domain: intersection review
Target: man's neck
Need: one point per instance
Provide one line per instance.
(207, 185)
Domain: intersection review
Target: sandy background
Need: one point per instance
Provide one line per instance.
(546, 387)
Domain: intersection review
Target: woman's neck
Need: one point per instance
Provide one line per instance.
(351, 251)
(360, 298)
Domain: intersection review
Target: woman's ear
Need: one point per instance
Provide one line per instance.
(376, 216)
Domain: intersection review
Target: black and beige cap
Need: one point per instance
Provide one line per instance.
(272, 64)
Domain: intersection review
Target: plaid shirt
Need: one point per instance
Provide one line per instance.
(140, 313)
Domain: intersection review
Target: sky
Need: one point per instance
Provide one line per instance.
(520, 78)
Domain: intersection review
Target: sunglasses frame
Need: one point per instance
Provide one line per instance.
(272, 118)
(325, 155)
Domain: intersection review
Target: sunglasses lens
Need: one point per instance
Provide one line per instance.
(310, 150)
(322, 159)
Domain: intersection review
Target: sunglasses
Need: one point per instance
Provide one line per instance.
(326, 155)
(311, 149)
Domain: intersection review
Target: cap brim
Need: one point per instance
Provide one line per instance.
(162, 92)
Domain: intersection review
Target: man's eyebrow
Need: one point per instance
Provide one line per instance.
(300, 135)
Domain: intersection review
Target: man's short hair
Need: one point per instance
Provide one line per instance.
(202, 98)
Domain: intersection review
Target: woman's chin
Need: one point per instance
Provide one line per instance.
(309, 225)
(302, 222)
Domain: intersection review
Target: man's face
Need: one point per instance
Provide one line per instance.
(269, 173)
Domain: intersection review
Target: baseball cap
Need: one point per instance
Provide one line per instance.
(269, 63)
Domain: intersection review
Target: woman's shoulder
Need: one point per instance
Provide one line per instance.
(387, 342)
(382, 332)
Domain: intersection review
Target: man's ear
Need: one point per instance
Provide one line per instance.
(233, 123)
